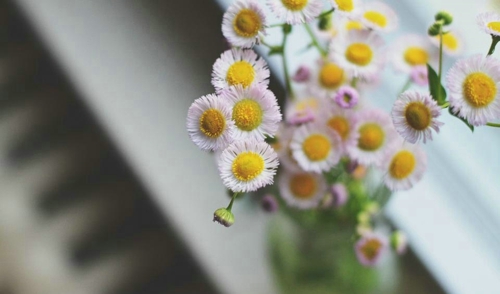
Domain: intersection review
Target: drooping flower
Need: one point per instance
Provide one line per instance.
(238, 67)
(473, 87)
(254, 110)
(404, 165)
(316, 148)
(302, 189)
(489, 22)
(379, 16)
(209, 123)
(243, 23)
(415, 115)
(370, 248)
(247, 165)
(296, 11)
(412, 51)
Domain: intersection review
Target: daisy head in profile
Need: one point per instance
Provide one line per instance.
(239, 67)
(473, 87)
(247, 165)
(415, 115)
(244, 23)
(209, 123)
(296, 11)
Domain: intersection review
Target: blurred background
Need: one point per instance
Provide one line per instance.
(102, 191)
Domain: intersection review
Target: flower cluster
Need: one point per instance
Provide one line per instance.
(331, 138)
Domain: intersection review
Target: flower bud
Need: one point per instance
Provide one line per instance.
(444, 16)
(364, 217)
(399, 242)
(269, 203)
(340, 194)
(302, 74)
(325, 22)
(435, 29)
(224, 217)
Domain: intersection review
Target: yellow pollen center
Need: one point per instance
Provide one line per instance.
(247, 114)
(479, 89)
(247, 166)
(416, 56)
(353, 25)
(418, 116)
(331, 76)
(340, 125)
(345, 5)
(247, 23)
(316, 147)
(295, 4)
(240, 73)
(308, 103)
(377, 18)
(359, 53)
(494, 25)
(212, 123)
(303, 186)
(371, 137)
(371, 248)
(450, 41)
(402, 165)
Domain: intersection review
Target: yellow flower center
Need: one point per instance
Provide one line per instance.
(416, 56)
(376, 17)
(353, 25)
(340, 125)
(479, 89)
(450, 41)
(247, 114)
(309, 103)
(247, 166)
(316, 147)
(418, 116)
(247, 23)
(295, 5)
(402, 165)
(371, 248)
(345, 5)
(240, 73)
(494, 25)
(303, 186)
(331, 76)
(371, 137)
(212, 123)
(359, 53)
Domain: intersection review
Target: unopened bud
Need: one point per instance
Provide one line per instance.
(340, 194)
(269, 203)
(444, 16)
(435, 29)
(325, 22)
(399, 242)
(224, 217)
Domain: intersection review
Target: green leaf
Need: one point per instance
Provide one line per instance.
(437, 90)
(471, 127)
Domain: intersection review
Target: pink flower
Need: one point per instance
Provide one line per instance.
(302, 74)
(370, 248)
(340, 194)
(347, 97)
(419, 75)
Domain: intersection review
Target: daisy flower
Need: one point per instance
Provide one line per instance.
(370, 248)
(359, 54)
(209, 123)
(302, 110)
(379, 16)
(301, 189)
(453, 43)
(404, 165)
(254, 110)
(302, 74)
(346, 7)
(340, 26)
(411, 51)
(296, 11)
(414, 115)
(247, 165)
(285, 154)
(489, 22)
(343, 123)
(239, 67)
(316, 148)
(327, 79)
(243, 23)
(473, 87)
(375, 133)
(347, 97)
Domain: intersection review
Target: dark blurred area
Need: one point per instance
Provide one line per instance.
(73, 219)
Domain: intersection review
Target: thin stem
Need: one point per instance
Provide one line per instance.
(440, 62)
(262, 42)
(495, 125)
(406, 86)
(288, 83)
(315, 42)
(230, 206)
(445, 105)
(276, 25)
(494, 41)
(326, 13)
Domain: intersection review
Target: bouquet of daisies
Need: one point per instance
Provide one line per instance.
(325, 137)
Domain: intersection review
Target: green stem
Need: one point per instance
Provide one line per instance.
(354, 82)
(406, 86)
(494, 41)
(230, 206)
(288, 83)
(495, 125)
(262, 42)
(276, 25)
(445, 105)
(315, 42)
(440, 62)
(326, 13)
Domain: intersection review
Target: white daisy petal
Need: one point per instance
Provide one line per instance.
(347, 8)
(404, 166)
(296, 11)
(327, 79)
(453, 42)
(243, 23)
(301, 189)
(489, 22)
(410, 51)
(379, 16)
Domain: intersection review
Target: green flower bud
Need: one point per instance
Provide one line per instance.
(445, 17)
(399, 242)
(325, 22)
(287, 28)
(435, 29)
(372, 208)
(224, 217)
(364, 217)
